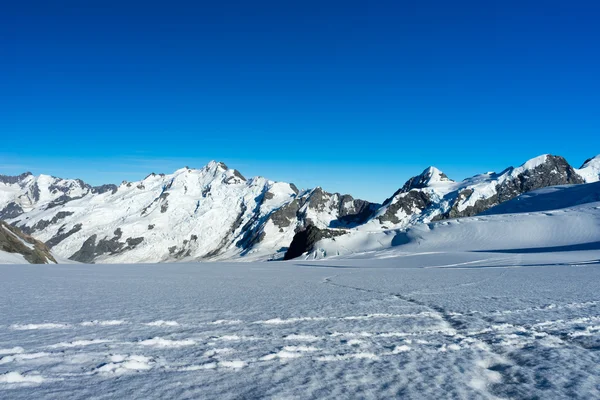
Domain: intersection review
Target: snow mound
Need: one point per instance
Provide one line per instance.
(16, 377)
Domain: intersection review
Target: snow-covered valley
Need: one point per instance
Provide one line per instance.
(419, 325)
(498, 306)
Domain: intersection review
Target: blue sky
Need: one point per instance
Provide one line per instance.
(355, 96)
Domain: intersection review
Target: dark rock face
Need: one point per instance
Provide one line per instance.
(12, 210)
(269, 195)
(358, 213)
(554, 171)
(350, 211)
(90, 249)
(11, 180)
(283, 216)
(132, 242)
(317, 199)
(60, 201)
(105, 188)
(43, 224)
(62, 235)
(305, 240)
(237, 174)
(479, 206)
(11, 241)
(406, 202)
(35, 192)
(347, 208)
(422, 181)
(86, 252)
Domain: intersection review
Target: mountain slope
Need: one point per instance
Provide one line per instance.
(560, 218)
(432, 196)
(17, 247)
(209, 213)
(590, 170)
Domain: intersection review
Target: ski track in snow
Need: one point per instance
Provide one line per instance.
(499, 352)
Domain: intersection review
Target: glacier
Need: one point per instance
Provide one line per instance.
(502, 305)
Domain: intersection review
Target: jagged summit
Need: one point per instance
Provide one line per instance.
(429, 176)
(432, 196)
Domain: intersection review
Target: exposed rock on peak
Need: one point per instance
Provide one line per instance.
(429, 176)
(432, 196)
(14, 179)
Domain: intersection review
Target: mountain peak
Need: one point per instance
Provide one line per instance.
(429, 176)
(9, 179)
(536, 161)
(213, 164)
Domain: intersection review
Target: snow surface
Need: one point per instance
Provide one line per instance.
(431, 317)
(12, 258)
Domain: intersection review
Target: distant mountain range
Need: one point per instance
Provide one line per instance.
(215, 213)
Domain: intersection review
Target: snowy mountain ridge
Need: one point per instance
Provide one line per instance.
(208, 213)
(433, 196)
(215, 213)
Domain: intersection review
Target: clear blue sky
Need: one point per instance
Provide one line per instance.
(355, 96)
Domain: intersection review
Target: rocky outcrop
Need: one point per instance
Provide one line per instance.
(90, 250)
(552, 171)
(13, 240)
(428, 177)
(408, 203)
(11, 210)
(11, 180)
(305, 240)
(432, 196)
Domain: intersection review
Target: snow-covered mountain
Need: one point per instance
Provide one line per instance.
(208, 213)
(215, 213)
(432, 196)
(557, 218)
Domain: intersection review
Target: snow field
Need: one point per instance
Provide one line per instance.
(478, 325)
